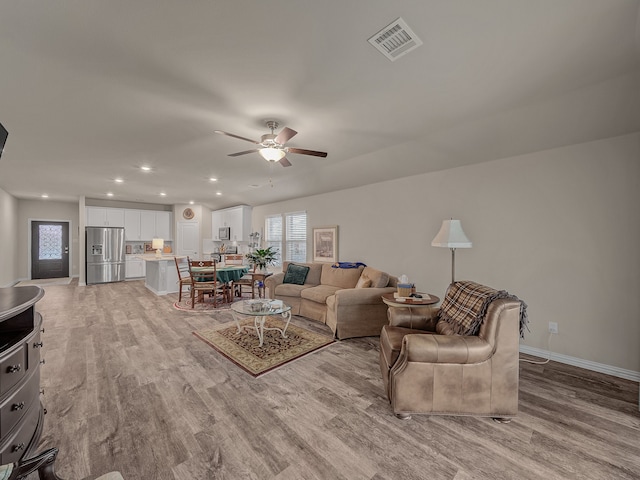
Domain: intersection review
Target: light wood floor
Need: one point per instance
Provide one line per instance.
(129, 388)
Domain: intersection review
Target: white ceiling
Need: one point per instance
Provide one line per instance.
(91, 90)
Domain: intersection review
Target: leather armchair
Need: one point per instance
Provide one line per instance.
(427, 368)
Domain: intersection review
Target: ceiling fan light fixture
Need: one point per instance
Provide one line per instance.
(271, 154)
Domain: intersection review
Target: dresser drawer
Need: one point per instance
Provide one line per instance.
(34, 345)
(14, 407)
(20, 441)
(13, 368)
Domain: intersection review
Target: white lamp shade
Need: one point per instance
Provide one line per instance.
(157, 243)
(451, 235)
(272, 154)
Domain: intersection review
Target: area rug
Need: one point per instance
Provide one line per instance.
(207, 305)
(43, 282)
(200, 307)
(243, 350)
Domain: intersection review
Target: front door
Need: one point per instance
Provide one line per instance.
(49, 249)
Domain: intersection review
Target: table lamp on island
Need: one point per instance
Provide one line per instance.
(157, 244)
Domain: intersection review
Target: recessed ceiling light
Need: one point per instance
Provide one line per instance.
(145, 168)
(119, 180)
(44, 195)
(191, 202)
(218, 193)
(163, 194)
(109, 194)
(213, 179)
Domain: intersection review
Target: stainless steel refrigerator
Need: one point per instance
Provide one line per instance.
(105, 254)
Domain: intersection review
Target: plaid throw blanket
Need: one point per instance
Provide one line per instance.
(465, 305)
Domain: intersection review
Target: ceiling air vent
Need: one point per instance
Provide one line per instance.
(395, 40)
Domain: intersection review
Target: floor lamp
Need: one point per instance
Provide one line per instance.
(451, 236)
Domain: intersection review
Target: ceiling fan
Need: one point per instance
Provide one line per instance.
(271, 146)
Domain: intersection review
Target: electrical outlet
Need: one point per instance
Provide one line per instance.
(553, 327)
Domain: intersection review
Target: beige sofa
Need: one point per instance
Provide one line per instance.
(329, 295)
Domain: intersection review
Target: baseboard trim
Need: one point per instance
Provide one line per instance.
(579, 362)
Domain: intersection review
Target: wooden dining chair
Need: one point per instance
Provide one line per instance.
(184, 275)
(206, 282)
(244, 281)
(234, 259)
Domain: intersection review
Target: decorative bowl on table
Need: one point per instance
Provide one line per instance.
(259, 306)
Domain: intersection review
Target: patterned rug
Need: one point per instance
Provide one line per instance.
(243, 350)
(200, 307)
(207, 305)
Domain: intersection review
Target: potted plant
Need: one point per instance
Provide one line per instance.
(261, 258)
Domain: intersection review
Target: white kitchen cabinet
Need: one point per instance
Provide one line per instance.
(217, 221)
(155, 224)
(163, 225)
(132, 225)
(233, 220)
(238, 219)
(134, 267)
(104, 217)
(147, 225)
(144, 225)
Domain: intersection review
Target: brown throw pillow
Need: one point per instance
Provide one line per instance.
(363, 282)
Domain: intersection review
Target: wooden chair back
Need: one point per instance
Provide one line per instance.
(182, 264)
(210, 276)
(202, 263)
(206, 282)
(184, 274)
(234, 259)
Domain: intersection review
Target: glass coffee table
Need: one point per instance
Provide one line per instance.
(260, 310)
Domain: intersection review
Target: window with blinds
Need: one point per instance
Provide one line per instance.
(288, 235)
(296, 236)
(273, 235)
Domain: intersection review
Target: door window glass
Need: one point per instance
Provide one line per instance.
(50, 246)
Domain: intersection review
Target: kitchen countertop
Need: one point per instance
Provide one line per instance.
(150, 257)
(153, 258)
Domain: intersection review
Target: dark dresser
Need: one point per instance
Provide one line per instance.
(21, 413)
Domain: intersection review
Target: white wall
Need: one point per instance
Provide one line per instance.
(46, 210)
(558, 228)
(8, 239)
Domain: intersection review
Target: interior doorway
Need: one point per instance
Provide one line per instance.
(49, 249)
(188, 239)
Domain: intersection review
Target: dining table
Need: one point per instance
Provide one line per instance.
(226, 274)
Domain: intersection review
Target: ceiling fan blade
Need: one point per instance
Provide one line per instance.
(236, 136)
(284, 162)
(285, 135)
(237, 154)
(302, 151)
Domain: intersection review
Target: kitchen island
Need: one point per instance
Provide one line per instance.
(161, 274)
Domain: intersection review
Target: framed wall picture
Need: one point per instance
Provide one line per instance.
(325, 244)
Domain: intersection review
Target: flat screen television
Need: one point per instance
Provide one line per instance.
(3, 138)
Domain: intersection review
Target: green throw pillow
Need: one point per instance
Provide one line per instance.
(296, 274)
